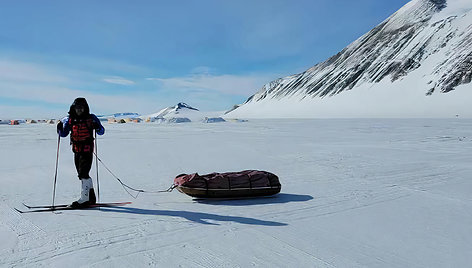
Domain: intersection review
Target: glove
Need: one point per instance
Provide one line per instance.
(60, 127)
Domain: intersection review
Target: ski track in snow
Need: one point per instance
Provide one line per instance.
(355, 193)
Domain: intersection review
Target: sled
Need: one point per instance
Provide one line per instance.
(248, 183)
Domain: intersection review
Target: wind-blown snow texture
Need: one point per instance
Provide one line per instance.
(355, 193)
(433, 37)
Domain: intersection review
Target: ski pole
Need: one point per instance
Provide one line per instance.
(96, 167)
(55, 175)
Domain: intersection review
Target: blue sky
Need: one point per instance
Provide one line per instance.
(141, 56)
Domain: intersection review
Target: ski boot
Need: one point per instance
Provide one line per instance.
(87, 195)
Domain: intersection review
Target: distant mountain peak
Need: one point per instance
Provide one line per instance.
(182, 105)
(176, 110)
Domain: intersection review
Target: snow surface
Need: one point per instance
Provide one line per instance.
(454, 7)
(402, 99)
(355, 193)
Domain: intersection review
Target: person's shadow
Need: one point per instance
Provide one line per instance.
(200, 217)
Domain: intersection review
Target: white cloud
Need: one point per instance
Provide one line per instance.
(16, 71)
(53, 98)
(229, 84)
(50, 89)
(119, 81)
(41, 89)
(201, 70)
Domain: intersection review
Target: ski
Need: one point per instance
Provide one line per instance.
(62, 206)
(56, 206)
(68, 207)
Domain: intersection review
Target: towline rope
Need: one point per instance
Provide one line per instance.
(128, 188)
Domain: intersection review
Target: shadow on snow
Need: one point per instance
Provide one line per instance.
(276, 199)
(197, 217)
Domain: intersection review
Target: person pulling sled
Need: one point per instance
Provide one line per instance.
(80, 123)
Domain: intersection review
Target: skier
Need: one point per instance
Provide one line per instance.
(81, 124)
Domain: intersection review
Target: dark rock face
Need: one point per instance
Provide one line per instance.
(461, 73)
(392, 50)
(181, 105)
(232, 109)
(440, 4)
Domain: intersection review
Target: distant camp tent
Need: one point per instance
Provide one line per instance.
(14, 122)
(31, 121)
(178, 120)
(159, 120)
(237, 120)
(112, 120)
(213, 120)
(121, 121)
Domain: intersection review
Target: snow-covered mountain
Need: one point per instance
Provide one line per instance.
(422, 51)
(181, 110)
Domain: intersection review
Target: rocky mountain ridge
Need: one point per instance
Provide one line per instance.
(430, 36)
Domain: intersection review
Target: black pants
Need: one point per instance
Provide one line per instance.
(83, 164)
